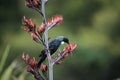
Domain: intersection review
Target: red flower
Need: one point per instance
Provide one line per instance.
(68, 49)
(26, 58)
(35, 37)
(41, 29)
(32, 62)
(43, 68)
(30, 26)
(27, 22)
(30, 69)
(23, 56)
(36, 3)
(56, 20)
(32, 3)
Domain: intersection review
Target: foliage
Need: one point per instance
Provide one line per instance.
(7, 74)
(3, 59)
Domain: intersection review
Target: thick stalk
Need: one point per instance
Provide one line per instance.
(46, 41)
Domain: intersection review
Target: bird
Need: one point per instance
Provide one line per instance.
(53, 46)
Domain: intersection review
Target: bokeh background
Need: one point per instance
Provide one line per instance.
(93, 24)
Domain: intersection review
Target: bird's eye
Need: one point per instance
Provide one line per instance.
(62, 42)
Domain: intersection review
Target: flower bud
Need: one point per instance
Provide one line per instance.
(34, 37)
(36, 3)
(56, 20)
(68, 49)
(30, 26)
(43, 68)
(30, 69)
(32, 3)
(41, 29)
(23, 56)
(32, 62)
(27, 58)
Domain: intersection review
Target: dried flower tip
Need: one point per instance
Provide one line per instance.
(27, 22)
(60, 62)
(24, 20)
(34, 37)
(56, 20)
(30, 69)
(25, 29)
(23, 56)
(28, 4)
(73, 46)
(36, 3)
(43, 68)
(27, 58)
(30, 26)
(65, 54)
(68, 49)
(32, 3)
(41, 28)
(30, 23)
(32, 62)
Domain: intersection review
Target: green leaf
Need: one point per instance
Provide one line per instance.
(8, 72)
(4, 57)
(22, 76)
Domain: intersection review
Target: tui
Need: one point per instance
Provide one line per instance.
(53, 46)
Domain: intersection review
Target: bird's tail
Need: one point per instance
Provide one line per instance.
(42, 58)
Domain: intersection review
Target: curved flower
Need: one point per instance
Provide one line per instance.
(43, 68)
(32, 3)
(30, 26)
(30, 69)
(68, 49)
(41, 29)
(32, 62)
(32, 66)
(27, 60)
(35, 37)
(55, 20)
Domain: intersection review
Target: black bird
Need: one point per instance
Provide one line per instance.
(53, 46)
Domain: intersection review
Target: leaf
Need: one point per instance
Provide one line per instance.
(22, 76)
(8, 72)
(4, 57)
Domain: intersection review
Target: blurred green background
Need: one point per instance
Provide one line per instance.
(93, 24)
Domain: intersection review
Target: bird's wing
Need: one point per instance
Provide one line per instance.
(51, 47)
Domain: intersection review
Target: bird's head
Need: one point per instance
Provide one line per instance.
(64, 39)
